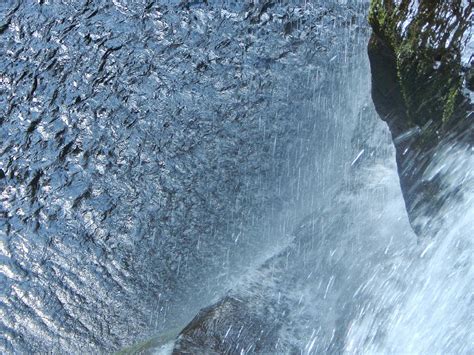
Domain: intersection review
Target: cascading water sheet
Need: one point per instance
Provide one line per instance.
(159, 158)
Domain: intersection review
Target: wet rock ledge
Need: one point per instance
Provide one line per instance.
(421, 86)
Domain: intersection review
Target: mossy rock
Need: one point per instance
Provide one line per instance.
(417, 87)
(426, 42)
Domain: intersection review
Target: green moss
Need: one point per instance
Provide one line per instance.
(430, 91)
(383, 20)
(450, 106)
(377, 14)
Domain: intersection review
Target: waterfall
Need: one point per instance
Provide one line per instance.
(169, 163)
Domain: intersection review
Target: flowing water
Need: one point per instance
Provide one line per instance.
(353, 276)
(157, 155)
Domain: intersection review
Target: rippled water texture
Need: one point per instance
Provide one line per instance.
(143, 144)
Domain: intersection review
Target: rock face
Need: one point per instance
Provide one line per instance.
(228, 327)
(140, 143)
(218, 320)
(419, 85)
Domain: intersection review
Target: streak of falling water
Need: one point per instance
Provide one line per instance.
(382, 289)
(425, 304)
(370, 285)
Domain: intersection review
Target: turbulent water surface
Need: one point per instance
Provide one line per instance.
(155, 154)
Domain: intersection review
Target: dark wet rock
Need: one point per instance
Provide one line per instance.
(229, 327)
(418, 89)
(246, 321)
(470, 77)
